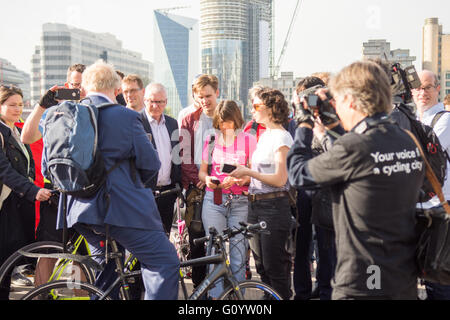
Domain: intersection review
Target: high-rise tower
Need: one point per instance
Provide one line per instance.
(176, 57)
(436, 53)
(236, 43)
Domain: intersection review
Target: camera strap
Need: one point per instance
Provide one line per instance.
(430, 175)
(369, 123)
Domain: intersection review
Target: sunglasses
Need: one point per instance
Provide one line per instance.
(258, 106)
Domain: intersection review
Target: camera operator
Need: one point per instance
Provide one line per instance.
(375, 174)
(307, 203)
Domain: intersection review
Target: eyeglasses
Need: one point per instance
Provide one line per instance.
(75, 85)
(427, 88)
(160, 102)
(258, 106)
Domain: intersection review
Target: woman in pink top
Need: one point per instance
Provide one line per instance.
(225, 205)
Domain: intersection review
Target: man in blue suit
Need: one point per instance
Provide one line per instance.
(132, 214)
(162, 131)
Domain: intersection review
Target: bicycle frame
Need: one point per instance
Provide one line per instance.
(63, 263)
(222, 270)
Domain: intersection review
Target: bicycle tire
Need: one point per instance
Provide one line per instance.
(45, 247)
(183, 252)
(65, 290)
(251, 290)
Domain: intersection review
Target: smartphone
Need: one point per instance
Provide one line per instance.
(68, 94)
(227, 168)
(215, 181)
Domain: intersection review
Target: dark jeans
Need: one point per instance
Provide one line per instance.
(272, 258)
(436, 291)
(326, 253)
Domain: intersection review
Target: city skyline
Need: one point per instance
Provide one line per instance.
(332, 37)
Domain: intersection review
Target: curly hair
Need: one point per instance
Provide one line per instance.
(275, 101)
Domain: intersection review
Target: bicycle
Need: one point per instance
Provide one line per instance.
(233, 289)
(64, 267)
(247, 290)
(181, 235)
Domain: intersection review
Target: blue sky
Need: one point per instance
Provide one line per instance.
(328, 34)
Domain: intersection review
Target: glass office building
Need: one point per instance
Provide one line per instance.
(236, 44)
(176, 57)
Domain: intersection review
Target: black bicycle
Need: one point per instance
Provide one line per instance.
(233, 290)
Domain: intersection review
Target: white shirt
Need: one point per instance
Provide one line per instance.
(263, 159)
(442, 130)
(163, 147)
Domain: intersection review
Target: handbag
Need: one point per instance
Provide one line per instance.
(322, 209)
(194, 205)
(433, 248)
(433, 251)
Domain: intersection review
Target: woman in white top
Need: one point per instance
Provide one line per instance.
(268, 191)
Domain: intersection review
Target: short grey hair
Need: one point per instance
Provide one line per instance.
(101, 76)
(155, 87)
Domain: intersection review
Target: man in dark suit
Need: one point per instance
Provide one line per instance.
(132, 215)
(162, 131)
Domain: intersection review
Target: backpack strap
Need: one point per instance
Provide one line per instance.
(437, 117)
(431, 176)
(435, 120)
(211, 145)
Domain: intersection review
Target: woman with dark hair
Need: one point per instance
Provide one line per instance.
(225, 203)
(269, 191)
(18, 192)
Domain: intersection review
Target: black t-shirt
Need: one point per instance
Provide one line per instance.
(375, 176)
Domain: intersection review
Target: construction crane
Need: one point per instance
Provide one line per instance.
(166, 11)
(276, 69)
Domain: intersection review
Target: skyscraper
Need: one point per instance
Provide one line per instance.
(236, 43)
(436, 53)
(176, 57)
(62, 46)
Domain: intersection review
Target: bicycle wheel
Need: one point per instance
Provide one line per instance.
(251, 290)
(27, 267)
(183, 251)
(65, 290)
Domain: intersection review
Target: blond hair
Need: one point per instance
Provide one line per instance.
(205, 80)
(133, 78)
(101, 76)
(368, 84)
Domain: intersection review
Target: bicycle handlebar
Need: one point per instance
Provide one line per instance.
(178, 190)
(258, 227)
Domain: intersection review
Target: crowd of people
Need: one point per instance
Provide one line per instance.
(284, 171)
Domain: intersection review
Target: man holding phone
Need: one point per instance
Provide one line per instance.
(32, 133)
